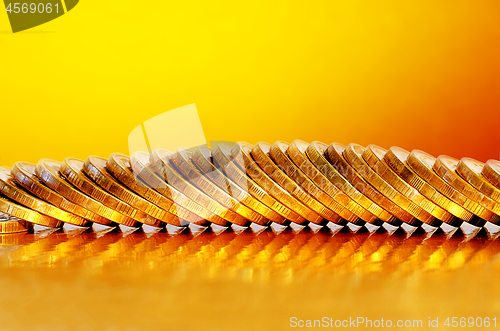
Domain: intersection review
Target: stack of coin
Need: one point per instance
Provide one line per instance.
(241, 184)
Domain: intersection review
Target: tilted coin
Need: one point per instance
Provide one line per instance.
(48, 172)
(396, 158)
(182, 161)
(315, 153)
(202, 158)
(260, 153)
(412, 213)
(72, 170)
(422, 164)
(491, 171)
(334, 154)
(222, 158)
(11, 224)
(25, 175)
(95, 168)
(278, 154)
(241, 153)
(119, 166)
(10, 189)
(189, 209)
(471, 171)
(162, 165)
(374, 157)
(445, 167)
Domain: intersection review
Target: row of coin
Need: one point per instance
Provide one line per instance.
(243, 184)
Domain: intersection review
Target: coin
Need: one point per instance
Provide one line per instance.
(374, 157)
(315, 153)
(396, 158)
(491, 171)
(182, 161)
(142, 168)
(278, 154)
(161, 165)
(413, 214)
(95, 168)
(470, 170)
(48, 172)
(421, 163)
(222, 158)
(334, 155)
(260, 153)
(202, 158)
(119, 166)
(25, 175)
(445, 167)
(297, 153)
(16, 210)
(10, 189)
(72, 170)
(10, 224)
(241, 154)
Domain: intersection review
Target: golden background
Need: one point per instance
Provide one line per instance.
(420, 74)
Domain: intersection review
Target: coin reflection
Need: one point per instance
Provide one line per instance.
(248, 253)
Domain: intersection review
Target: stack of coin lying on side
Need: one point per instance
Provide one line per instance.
(243, 184)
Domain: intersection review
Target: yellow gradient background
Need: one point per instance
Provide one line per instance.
(423, 74)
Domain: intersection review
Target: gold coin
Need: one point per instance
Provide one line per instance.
(182, 161)
(221, 155)
(334, 155)
(315, 152)
(297, 153)
(119, 166)
(48, 172)
(411, 213)
(278, 154)
(421, 163)
(95, 168)
(197, 214)
(491, 171)
(202, 158)
(241, 153)
(10, 189)
(16, 210)
(396, 158)
(162, 166)
(445, 167)
(72, 170)
(260, 153)
(25, 175)
(471, 170)
(374, 156)
(10, 224)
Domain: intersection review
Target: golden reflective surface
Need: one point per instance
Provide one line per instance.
(75, 279)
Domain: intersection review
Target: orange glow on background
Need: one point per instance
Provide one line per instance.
(415, 74)
(418, 75)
